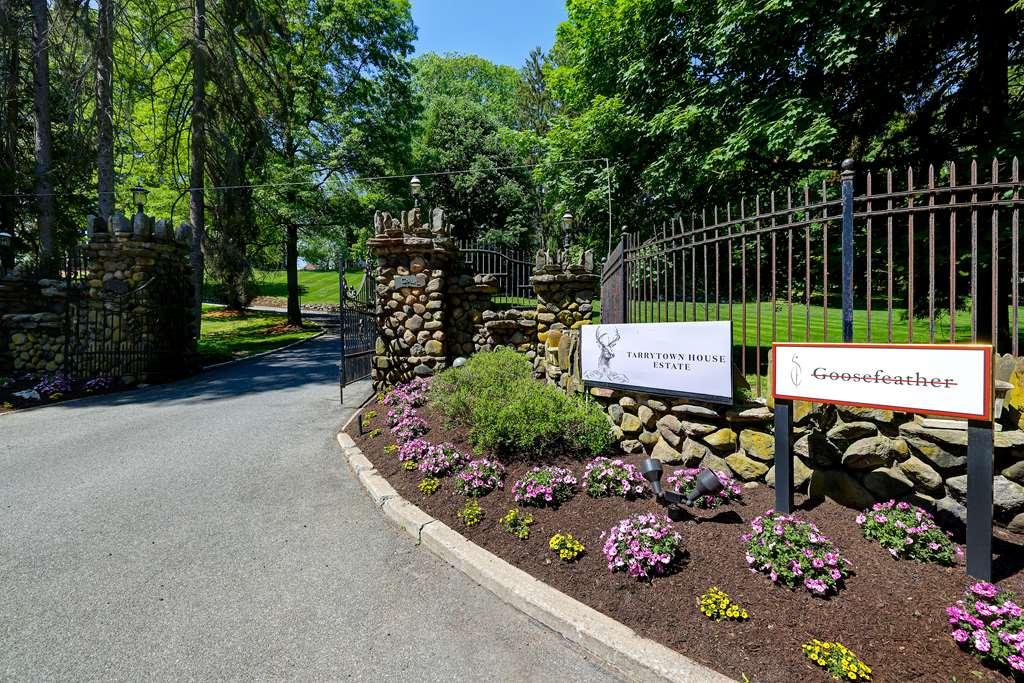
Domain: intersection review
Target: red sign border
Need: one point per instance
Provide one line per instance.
(986, 348)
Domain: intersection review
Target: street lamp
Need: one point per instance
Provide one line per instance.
(567, 221)
(415, 184)
(139, 197)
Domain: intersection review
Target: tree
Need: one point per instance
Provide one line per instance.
(197, 153)
(41, 111)
(105, 107)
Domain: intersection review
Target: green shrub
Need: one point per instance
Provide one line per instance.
(506, 410)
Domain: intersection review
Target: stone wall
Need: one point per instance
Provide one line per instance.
(854, 456)
(565, 291)
(140, 257)
(411, 317)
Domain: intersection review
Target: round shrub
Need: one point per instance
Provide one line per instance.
(684, 481)
(480, 477)
(989, 624)
(794, 552)
(441, 459)
(643, 546)
(545, 486)
(605, 477)
(907, 531)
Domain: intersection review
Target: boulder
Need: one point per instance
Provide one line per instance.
(758, 444)
(648, 439)
(750, 415)
(697, 429)
(724, 440)
(628, 402)
(657, 406)
(855, 414)
(1007, 496)
(672, 437)
(745, 468)
(693, 452)
(922, 475)
(1011, 439)
(935, 455)
(615, 412)
(801, 473)
(948, 510)
(848, 432)
(631, 446)
(888, 482)
(686, 409)
(671, 422)
(715, 463)
(819, 450)
(839, 487)
(942, 437)
(647, 417)
(1015, 472)
(630, 424)
(1016, 525)
(665, 453)
(865, 454)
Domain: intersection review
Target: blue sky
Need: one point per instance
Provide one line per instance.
(503, 31)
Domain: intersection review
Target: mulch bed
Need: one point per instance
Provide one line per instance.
(891, 613)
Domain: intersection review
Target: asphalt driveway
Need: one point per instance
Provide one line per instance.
(209, 529)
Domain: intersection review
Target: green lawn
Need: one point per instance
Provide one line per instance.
(228, 335)
(315, 287)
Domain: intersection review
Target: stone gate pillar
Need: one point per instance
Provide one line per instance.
(414, 261)
(565, 292)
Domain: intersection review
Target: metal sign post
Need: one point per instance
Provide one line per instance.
(784, 456)
(979, 499)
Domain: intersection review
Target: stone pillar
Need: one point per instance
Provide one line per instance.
(565, 293)
(414, 261)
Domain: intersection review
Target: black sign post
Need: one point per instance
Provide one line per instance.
(784, 456)
(979, 499)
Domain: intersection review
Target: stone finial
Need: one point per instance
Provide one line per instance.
(160, 229)
(378, 223)
(540, 259)
(437, 221)
(119, 224)
(94, 226)
(140, 225)
(588, 260)
(184, 234)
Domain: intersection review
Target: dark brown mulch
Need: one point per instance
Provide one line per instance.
(891, 613)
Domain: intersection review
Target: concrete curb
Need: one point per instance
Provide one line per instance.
(616, 645)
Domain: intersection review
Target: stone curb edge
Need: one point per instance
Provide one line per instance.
(616, 645)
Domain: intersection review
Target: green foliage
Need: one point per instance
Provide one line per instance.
(517, 523)
(471, 513)
(428, 486)
(567, 547)
(507, 411)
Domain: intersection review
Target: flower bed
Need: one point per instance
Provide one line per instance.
(891, 614)
(26, 391)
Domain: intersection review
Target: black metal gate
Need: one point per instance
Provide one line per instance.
(613, 287)
(128, 333)
(358, 320)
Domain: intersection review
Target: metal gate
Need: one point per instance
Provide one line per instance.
(358, 320)
(139, 333)
(613, 287)
(513, 269)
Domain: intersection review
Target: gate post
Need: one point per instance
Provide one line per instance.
(847, 183)
(341, 329)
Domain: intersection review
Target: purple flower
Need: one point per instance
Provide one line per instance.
(981, 642)
(960, 635)
(984, 589)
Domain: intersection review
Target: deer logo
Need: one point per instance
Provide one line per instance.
(605, 356)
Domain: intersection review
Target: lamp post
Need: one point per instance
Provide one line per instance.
(415, 185)
(567, 221)
(139, 194)
(5, 252)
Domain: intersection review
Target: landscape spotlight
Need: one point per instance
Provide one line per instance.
(651, 469)
(708, 484)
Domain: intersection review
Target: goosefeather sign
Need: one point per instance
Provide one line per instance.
(935, 379)
(676, 359)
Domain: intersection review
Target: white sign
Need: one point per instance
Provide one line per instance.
(949, 380)
(678, 359)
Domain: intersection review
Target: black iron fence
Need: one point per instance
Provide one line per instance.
(878, 257)
(512, 267)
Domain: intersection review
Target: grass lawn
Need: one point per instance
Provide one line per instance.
(314, 287)
(227, 335)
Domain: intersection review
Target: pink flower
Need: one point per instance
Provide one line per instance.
(860, 519)
(960, 635)
(1016, 662)
(985, 589)
(981, 642)
(835, 574)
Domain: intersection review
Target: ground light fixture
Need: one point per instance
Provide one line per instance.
(707, 484)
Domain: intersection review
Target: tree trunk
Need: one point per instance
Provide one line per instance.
(197, 151)
(9, 134)
(43, 139)
(294, 311)
(105, 107)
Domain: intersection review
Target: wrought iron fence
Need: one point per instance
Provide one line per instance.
(512, 268)
(876, 257)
